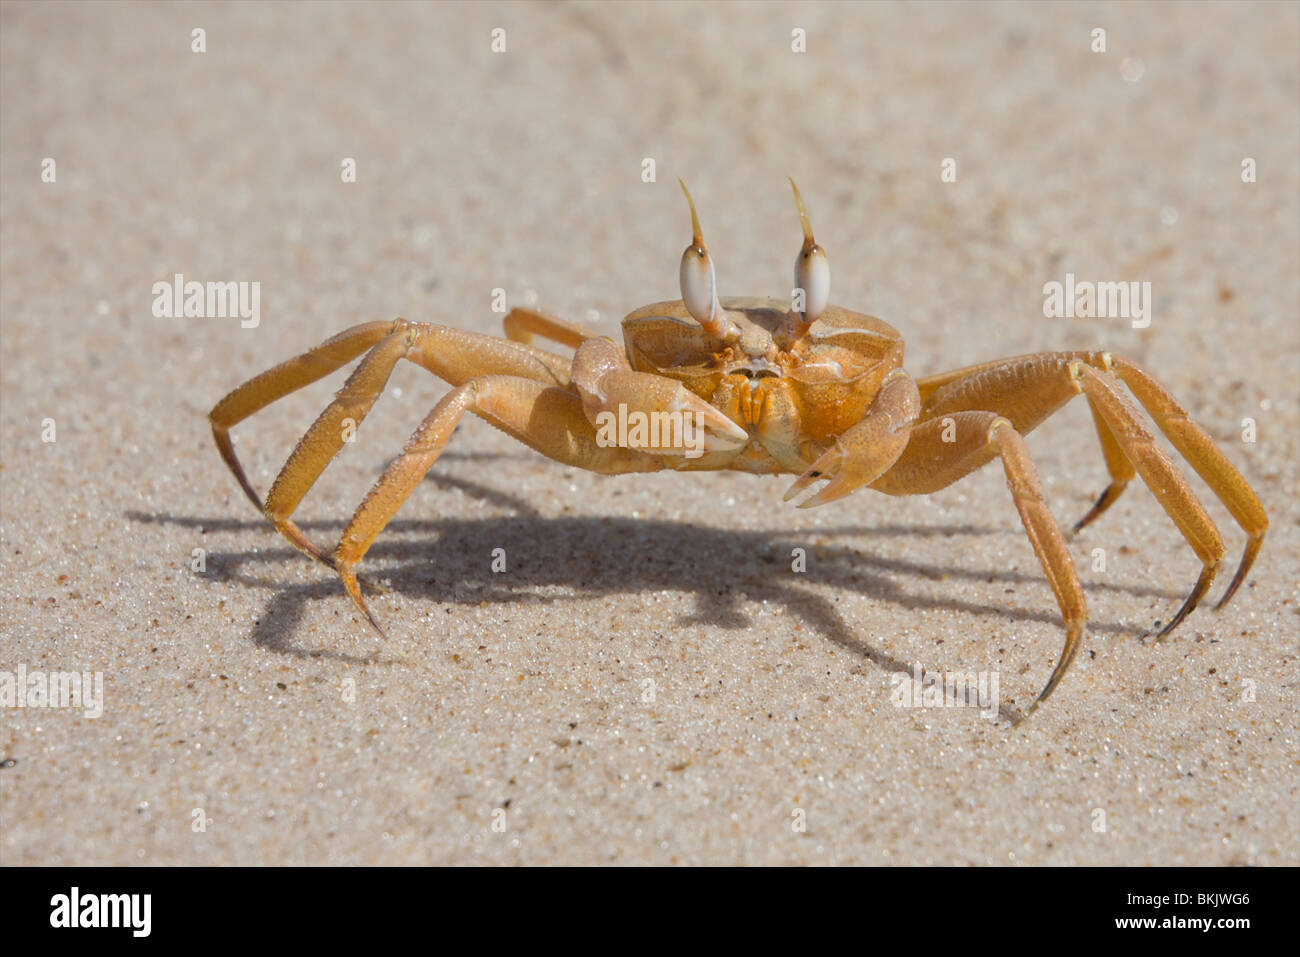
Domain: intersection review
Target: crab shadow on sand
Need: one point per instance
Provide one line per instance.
(575, 558)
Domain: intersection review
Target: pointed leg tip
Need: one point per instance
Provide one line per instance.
(1164, 632)
(1034, 705)
(370, 617)
(1043, 695)
(353, 588)
(1238, 579)
(374, 622)
(1107, 498)
(251, 494)
(383, 637)
(1193, 600)
(1080, 525)
(1074, 634)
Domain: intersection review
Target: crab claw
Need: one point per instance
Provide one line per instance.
(863, 453)
(648, 413)
(828, 466)
(652, 414)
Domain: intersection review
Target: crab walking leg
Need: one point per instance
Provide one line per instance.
(336, 352)
(259, 392)
(520, 325)
(930, 463)
(1117, 464)
(1204, 456)
(862, 453)
(1001, 383)
(548, 419)
(1160, 475)
(456, 356)
(1029, 388)
(609, 387)
(451, 354)
(326, 436)
(931, 384)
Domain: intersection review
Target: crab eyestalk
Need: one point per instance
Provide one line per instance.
(812, 273)
(699, 284)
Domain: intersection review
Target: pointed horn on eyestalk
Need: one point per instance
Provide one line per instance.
(808, 241)
(812, 271)
(699, 284)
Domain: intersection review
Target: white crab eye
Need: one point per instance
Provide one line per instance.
(812, 271)
(812, 276)
(699, 284)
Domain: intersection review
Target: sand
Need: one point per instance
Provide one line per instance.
(647, 680)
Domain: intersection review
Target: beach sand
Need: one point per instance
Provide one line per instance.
(648, 680)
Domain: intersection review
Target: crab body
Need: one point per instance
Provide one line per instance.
(765, 386)
(791, 394)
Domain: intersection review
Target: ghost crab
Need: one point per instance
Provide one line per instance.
(807, 388)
